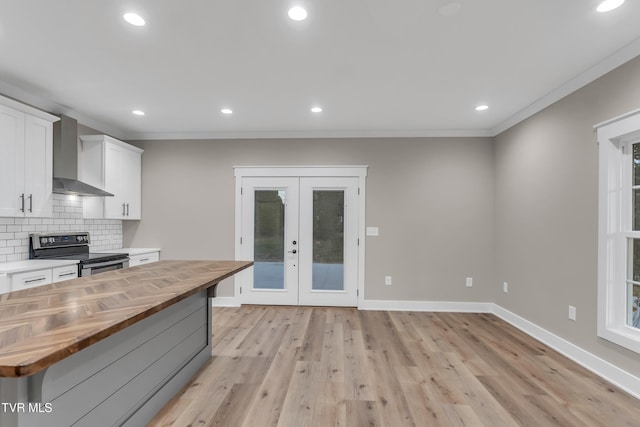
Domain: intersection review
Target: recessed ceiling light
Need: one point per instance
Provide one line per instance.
(134, 19)
(138, 112)
(482, 107)
(226, 111)
(316, 109)
(297, 13)
(608, 5)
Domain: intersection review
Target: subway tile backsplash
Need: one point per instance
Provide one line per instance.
(105, 234)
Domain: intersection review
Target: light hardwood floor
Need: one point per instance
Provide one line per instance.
(303, 366)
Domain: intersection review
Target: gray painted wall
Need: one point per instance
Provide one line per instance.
(546, 205)
(431, 198)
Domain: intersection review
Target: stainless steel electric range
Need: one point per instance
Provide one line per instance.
(75, 246)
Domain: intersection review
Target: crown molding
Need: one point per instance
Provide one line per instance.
(425, 133)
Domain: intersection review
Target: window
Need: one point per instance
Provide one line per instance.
(631, 226)
(619, 231)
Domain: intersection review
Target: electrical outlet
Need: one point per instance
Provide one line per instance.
(505, 287)
(572, 313)
(387, 280)
(469, 282)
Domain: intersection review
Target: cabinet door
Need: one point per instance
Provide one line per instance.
(38, 169)
(116, 167)
(132, 184)
(11, 161)
(113, 176)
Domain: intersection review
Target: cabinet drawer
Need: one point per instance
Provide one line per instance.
(65, 273)
(30, 279)
(143, 259)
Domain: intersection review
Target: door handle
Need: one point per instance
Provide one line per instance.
(67, 274)
(123, 209)
(127, 209)
(30, 202)
(22, 197)
(293, 251)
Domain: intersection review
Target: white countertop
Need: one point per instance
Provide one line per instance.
(33, 264)
(134, 251)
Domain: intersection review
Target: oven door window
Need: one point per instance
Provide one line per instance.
(97, 270)
(88, 269)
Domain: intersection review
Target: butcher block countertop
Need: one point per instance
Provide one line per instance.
(41, 326)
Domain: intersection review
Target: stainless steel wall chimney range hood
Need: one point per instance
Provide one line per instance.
(65, 161)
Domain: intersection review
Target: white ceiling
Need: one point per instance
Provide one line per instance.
(377, 67)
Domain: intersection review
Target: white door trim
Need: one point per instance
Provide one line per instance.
(360, 172)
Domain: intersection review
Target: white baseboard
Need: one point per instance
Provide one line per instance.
(600, 367)
(225, 302)
(450, 306)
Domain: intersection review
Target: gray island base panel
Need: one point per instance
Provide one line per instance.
(123, 380)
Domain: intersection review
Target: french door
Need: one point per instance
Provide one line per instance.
(302, 234)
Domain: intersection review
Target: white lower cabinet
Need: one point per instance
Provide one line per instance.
(23, 277)
(30, 279)
(141, 259)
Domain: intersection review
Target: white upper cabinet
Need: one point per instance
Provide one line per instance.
(11, 161)
(116, 167)
(26, 160)
(38, 167)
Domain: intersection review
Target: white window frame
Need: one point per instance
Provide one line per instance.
(615, 137)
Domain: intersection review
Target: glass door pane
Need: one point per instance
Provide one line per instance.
(328, 240)
(268, 247)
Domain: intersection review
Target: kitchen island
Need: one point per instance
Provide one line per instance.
(108, 349)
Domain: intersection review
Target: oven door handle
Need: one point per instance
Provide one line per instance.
(124, 261)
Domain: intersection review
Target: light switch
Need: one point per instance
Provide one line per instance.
(373, 231)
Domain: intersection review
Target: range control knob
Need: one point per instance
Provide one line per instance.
(52, 239)
(43, 241)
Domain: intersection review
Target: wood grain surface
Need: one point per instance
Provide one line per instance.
(306, 366)
(41, 326)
